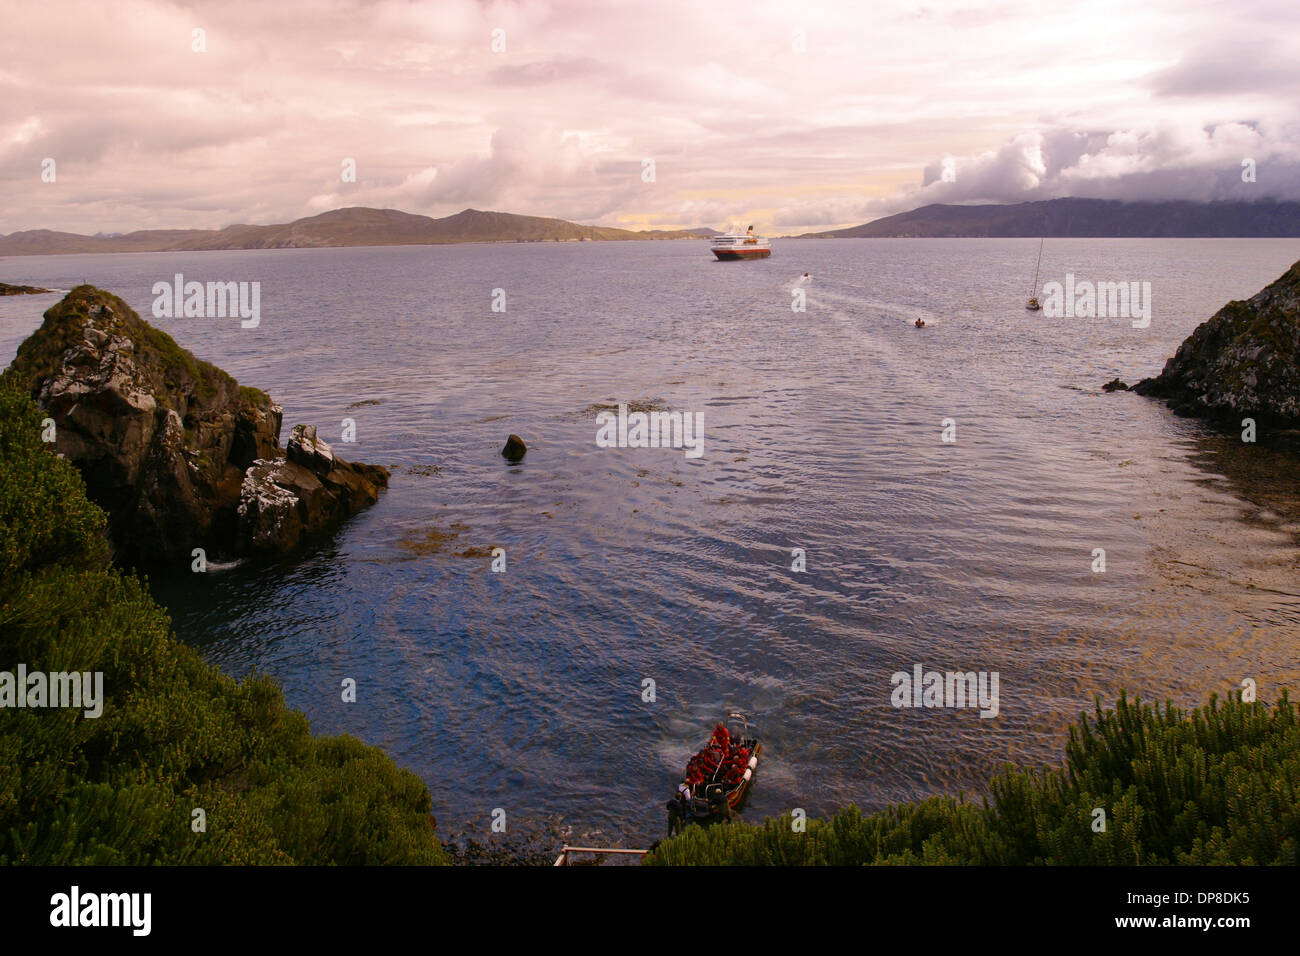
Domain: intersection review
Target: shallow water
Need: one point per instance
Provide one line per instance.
(523, 690)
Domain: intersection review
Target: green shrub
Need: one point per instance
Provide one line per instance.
(1218, 785)
(175, 734)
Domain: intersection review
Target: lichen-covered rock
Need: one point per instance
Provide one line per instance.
(163, 440)
(285, 500)
(1242, 362)
(306, 449)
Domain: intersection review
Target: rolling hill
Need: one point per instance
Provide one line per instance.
(353, 226)
(1081, 218)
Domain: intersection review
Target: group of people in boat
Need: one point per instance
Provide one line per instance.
(719, 761)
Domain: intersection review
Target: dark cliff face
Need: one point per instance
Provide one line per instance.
(1242, 362)
(163, 440)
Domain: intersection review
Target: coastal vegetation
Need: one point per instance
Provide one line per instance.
(175, 736)
(1141, 785)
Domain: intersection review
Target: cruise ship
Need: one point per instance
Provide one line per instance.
(736, 245)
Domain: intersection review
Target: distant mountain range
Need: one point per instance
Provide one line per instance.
(702, 231)
(1084, 218)
(354, 226)
(362, 226)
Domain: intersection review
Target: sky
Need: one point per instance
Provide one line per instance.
(795, 116)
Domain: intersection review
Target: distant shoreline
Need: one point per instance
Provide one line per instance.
(358, 245)
(7, 289)
(512, 242)
(351, 226)
(1066, 218)
(1074, 218)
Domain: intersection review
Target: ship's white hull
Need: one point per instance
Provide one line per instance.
(747, 246)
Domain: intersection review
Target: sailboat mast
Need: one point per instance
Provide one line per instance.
(1033, 290)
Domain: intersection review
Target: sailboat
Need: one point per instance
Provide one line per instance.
(1032, 305)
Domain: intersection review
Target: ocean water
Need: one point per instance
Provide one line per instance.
(523, 690)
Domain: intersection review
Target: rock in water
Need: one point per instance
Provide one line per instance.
(1243, 362)
(167, 443)
(515, 448)
(7, 289)
(283, 500)
(1115, 385)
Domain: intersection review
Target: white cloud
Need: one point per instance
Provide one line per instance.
(1101, 98)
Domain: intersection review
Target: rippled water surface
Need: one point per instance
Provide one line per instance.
(523, 690)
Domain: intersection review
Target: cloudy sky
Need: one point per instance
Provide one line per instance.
(793, 115)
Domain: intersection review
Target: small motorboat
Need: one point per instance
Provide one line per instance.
(717, 778)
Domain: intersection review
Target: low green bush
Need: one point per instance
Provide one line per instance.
(175, 734)
(1218, 785)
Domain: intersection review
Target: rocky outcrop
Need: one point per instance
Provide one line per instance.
(1243, 362)
(173, 448)
(7, 289)
(284, 499)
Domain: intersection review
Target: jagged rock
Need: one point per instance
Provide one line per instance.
(284, 500)
(1115, 385)
(515, 448)
(1242, 362)
(306, 449)
(166, 441)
